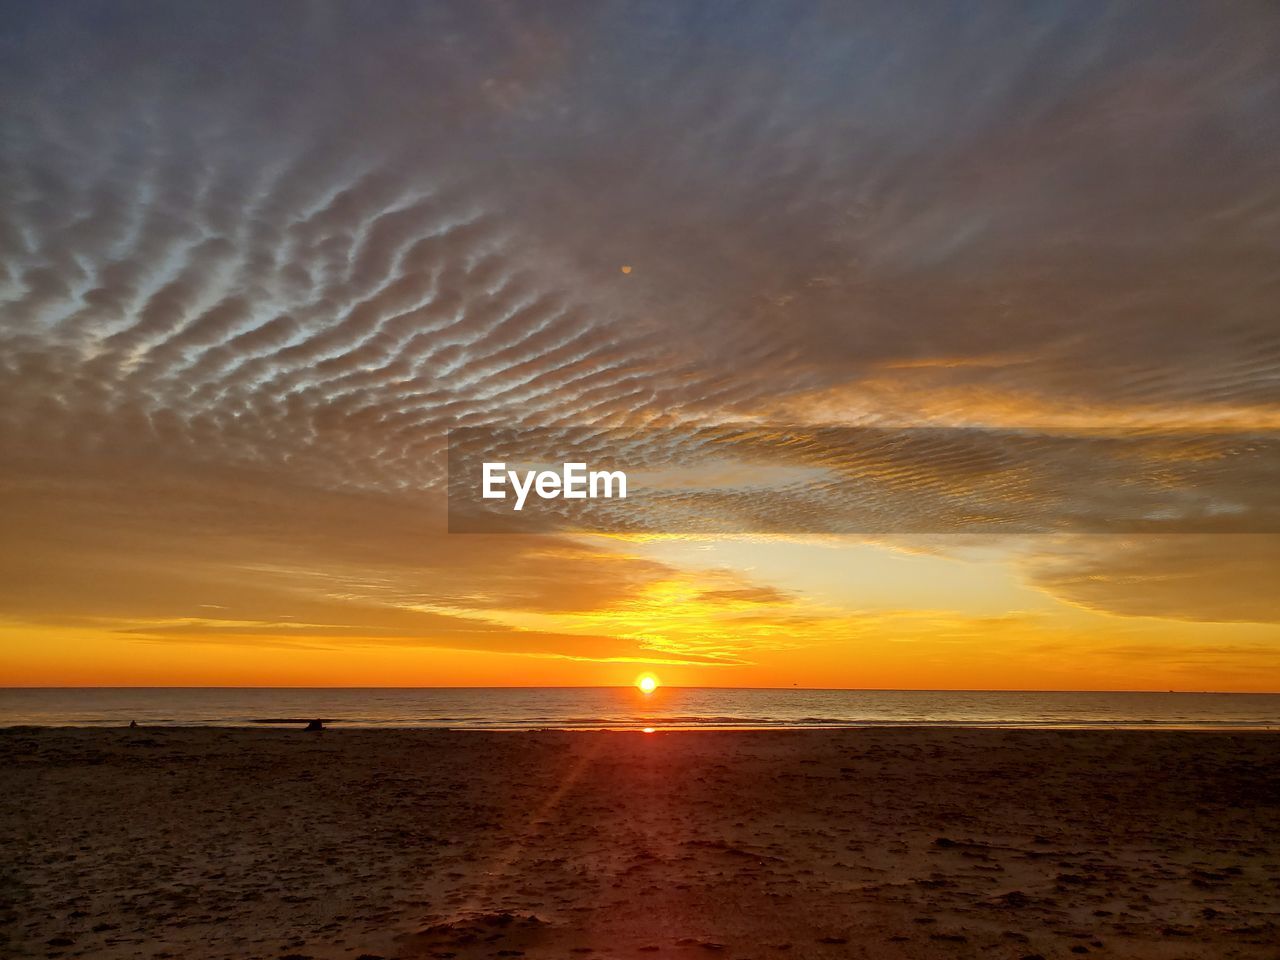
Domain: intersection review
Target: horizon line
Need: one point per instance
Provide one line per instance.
(627, 686)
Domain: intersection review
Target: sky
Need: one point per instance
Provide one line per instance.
(257, 260)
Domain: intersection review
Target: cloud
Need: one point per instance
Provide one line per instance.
(1222, 579)
(743, 478)
(448, 633)
(257, 260)
(744, 595)
(227, 553)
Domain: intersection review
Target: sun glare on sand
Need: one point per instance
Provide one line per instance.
(647, 683)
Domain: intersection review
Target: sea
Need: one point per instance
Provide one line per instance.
(627, 708)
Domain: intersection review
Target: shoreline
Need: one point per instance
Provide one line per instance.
(336, 725)
(627, 708)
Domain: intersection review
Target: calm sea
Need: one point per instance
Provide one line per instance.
(627, 708)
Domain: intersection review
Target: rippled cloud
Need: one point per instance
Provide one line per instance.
(255, 261)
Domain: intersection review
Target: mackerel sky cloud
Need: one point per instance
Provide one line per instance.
(256, 260)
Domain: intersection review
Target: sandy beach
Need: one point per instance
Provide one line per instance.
(203, 843)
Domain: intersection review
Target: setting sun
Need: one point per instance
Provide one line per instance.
(647, 683)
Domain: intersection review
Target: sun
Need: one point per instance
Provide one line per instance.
(647, 683)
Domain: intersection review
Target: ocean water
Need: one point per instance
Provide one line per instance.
(627, 708)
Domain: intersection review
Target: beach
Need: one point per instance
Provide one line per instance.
(884, 843)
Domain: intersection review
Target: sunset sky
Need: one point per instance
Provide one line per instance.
(257, 259)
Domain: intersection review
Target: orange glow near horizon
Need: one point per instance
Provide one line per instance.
(964, 631)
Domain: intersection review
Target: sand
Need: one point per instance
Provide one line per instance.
(783, 844)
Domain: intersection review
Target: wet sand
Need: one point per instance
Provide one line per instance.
(203, 843)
